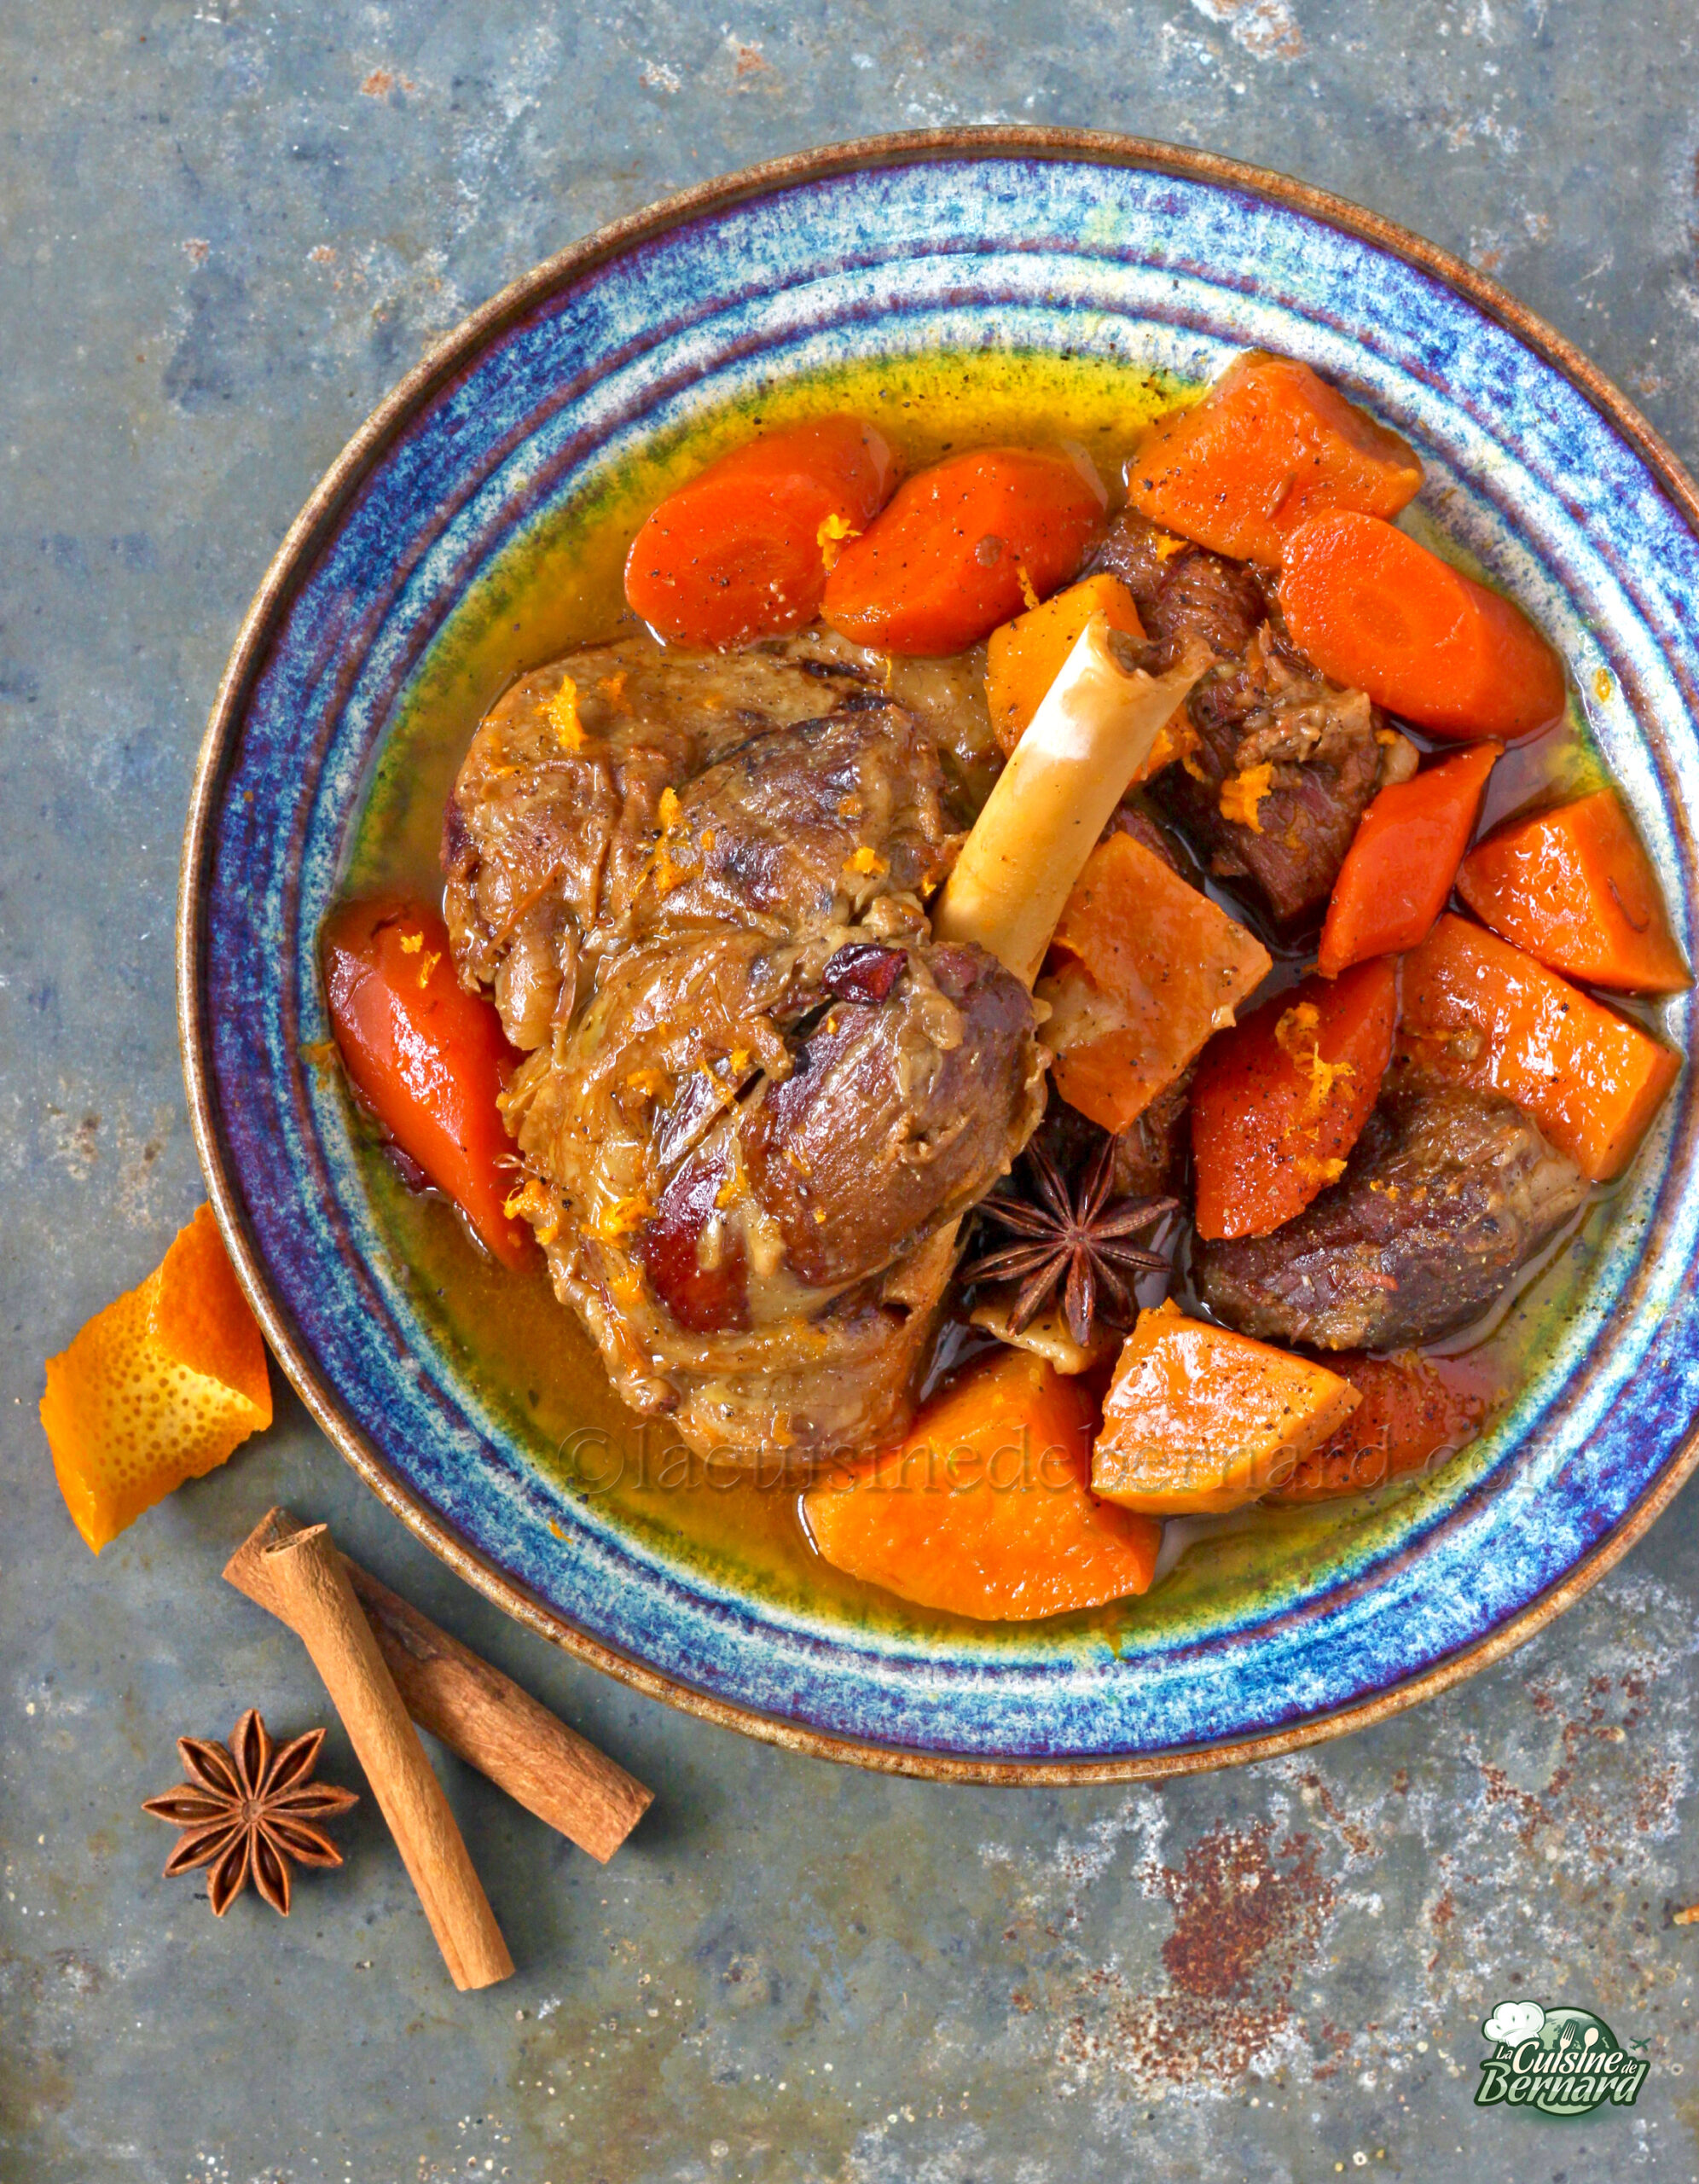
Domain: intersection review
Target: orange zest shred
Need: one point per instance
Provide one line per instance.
(1027, 591)
(620, 1218)
(563, 716)
(1241, 794)
(159, 1387)
(669, 875)
(834, 532)
(668, 872)
(1175, 739)
(532, 1202)
(1298, 1034)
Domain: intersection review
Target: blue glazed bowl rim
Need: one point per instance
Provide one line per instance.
(318, 521)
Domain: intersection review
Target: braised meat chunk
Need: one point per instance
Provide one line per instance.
(1285, 761)
(791, 833)
(752, 1118)
(1446, 1194)
(557, 807)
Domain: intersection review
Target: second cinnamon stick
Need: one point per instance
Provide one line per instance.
(490, 1720)
(321, 1607)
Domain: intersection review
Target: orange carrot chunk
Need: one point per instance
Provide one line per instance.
(1269, 444)
(1411, 1412)
(428, 1057)
(1482, 1012)
(1575, 888)
(964, 546)
(742, 550)
(159, 1387)
(1025, 656)
(1279, 1100)
(1377, 612)
(1200, 1420)
(1144, 970)
(986, 1510)
(1402, 861)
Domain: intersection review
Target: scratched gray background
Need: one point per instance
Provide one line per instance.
(228, 229)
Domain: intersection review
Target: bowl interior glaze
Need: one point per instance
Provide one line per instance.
(560, 398)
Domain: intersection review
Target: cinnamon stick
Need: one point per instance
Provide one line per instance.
(476, 1711)
(315, 1589)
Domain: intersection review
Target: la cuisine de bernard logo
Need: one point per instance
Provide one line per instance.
(1561, 2063)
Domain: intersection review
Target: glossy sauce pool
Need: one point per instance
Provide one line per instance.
(525, 1353)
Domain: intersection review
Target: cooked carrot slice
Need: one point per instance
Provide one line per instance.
(1482, 1012)
(1025, 657)
(1413, 1409)
(1199, 1420)
(964, 546)
(159, 1387)
(428, 1057)
(742, 550)
(1144, 969)
(1402, 861)
(1269, 444)
(1575, 889)
(1377, 612)
(1279, 1100)
(986, 1510)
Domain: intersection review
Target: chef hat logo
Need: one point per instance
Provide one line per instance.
(1512, 2022)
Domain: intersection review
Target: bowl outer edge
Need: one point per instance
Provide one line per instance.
(295, 554)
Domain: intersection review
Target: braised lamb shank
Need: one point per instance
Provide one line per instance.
(757, 1098)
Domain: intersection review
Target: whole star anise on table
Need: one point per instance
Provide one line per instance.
(247, 1810)
(1077, 1238)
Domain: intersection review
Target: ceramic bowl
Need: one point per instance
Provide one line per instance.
(1046, 243)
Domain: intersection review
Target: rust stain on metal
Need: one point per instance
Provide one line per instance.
(1244, 1913)
(1252, 1907)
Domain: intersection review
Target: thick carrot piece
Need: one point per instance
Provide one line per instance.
(986, 1510)
(428, 1057)
(964, 546)
(1279, 1100)
(742, 550)
(1199, 1420)
(1269, 444)
(1575, 888)
(1482, 1012)
(1145, 970)
(1410, 1412)
(1025, 656)
(1402, 861)
(1377, 612)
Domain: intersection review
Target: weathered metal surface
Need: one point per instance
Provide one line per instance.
(227, 230)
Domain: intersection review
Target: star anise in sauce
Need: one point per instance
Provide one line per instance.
(1076, 1239)
(247, 1810)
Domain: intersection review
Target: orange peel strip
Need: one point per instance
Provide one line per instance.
(159, 1387)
